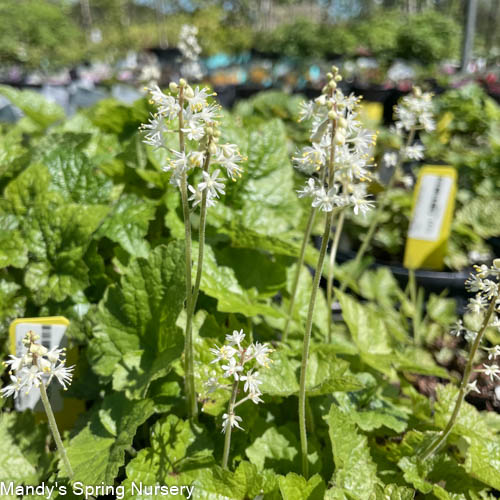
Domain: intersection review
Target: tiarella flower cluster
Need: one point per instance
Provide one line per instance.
(338, 162)
(413, 113)
(36, 366)
(485, 284)
(197, 117)
(241, 366)
(190, 50)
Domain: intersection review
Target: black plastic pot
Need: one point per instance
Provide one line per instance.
(376, 93)
(166, 55)
(431, 281)
(248, 90)
(226, 95)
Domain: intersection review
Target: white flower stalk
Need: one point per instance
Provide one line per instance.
(190, 50)
(191, 115)
(240, 366)
(413, 113)
(486, 303)
(338, 162)
(36, 368)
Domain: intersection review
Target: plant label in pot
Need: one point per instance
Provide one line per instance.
(433, 204)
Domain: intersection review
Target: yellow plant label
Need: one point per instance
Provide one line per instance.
(371, 113)
(51, 331)
(432, 214)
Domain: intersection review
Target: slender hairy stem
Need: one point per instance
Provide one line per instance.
(188, 343)
(201, 235)
(55, 430)
(439, 441)
(300, 263)
(412, 283)
(382, 202)
(333, 256)
(227, 439)
(310, 417)
(307, 341)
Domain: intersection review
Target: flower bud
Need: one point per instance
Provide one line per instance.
(212, 148)
(182, 82)
(173, 87)
(496, 263)
(339, 138)
(342, 122)
(332, 114)
(332, 84)
(189, 92)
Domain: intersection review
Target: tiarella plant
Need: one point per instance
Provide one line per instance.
(485, 283)
(241, 365)
(414, 113)
(36, 369)
(338, 166)
(189, 114)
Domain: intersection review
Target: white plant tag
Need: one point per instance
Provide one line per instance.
(429, 211)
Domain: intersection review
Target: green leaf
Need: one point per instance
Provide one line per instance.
(276, 449)
(34, 105)
(377, 349)
(482, 445)
(31, 184)
(355, 471)
(176, 446)
(75, 177)
(394, 492)
(369, 409)
(326, 374)
(295, 487)
(12, 303)
(136, 337)
(24, 459)
(96, 454)
(381, 286)
(280, 378)
(128, 223)
(57, 237)
(220, 283)
(13, 251)
(368, 331)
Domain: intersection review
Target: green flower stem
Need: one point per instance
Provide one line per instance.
(440, 440)
(188, 343)
(333, 256)
(382, 202)
(55, 430)
(307, 341)
(417, 301)
(201, 237)
(227, 439)
(300, 263)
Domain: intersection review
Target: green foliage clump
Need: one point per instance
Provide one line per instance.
(38, 33)
(428, 37)
(94, 232)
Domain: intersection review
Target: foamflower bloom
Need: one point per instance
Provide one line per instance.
(203, 158)
(35, 367)
(240, 364)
